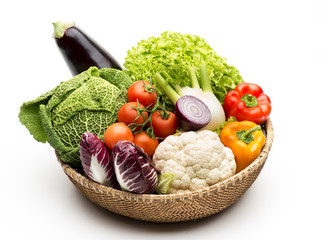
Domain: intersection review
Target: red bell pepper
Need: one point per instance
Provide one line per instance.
(247, 102)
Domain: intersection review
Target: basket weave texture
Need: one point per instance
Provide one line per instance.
(173, 207)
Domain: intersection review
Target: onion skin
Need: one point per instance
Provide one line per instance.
(192, 113)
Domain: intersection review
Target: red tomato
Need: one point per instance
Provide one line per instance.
(137, 90)
(164, 127)
(116, 132)
(127, 114)
(147, 143)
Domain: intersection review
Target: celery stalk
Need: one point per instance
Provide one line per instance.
(172, 94)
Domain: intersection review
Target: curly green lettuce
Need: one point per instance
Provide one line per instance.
(88, 102)
(174, 52)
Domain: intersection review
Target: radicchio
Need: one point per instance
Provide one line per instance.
(96, 160)
(134, 169)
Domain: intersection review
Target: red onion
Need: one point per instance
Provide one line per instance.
(192, 113)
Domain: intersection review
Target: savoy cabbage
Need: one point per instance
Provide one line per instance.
(86, 103)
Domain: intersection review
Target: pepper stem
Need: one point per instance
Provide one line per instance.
(251, 130)
(249, 100)
(246, 136)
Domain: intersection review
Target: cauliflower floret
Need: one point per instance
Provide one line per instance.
(197, 183)
(197, 159)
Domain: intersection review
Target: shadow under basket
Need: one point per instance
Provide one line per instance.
(173, 207)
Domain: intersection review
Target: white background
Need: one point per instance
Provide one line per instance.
(279, 45)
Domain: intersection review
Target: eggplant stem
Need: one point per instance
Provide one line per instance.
(60, 28)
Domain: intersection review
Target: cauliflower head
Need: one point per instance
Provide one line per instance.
(197, 159)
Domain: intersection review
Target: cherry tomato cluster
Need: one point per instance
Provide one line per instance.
(142, 119)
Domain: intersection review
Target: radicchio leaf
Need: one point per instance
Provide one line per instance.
(96, 160)
(134, 169)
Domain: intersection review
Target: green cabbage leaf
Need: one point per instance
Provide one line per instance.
(174, 52)
(88, 102)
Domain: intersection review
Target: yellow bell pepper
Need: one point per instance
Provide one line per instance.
(246, 141)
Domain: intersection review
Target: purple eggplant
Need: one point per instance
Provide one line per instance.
(79, 50)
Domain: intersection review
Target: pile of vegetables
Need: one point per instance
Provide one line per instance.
(174, 52)
(210, 113)
(176, 119)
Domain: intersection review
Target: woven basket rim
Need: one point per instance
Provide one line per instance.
(101, 189)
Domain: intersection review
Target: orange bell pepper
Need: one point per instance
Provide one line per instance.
(246, 141)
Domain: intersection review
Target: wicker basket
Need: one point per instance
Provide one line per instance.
(173, 207)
